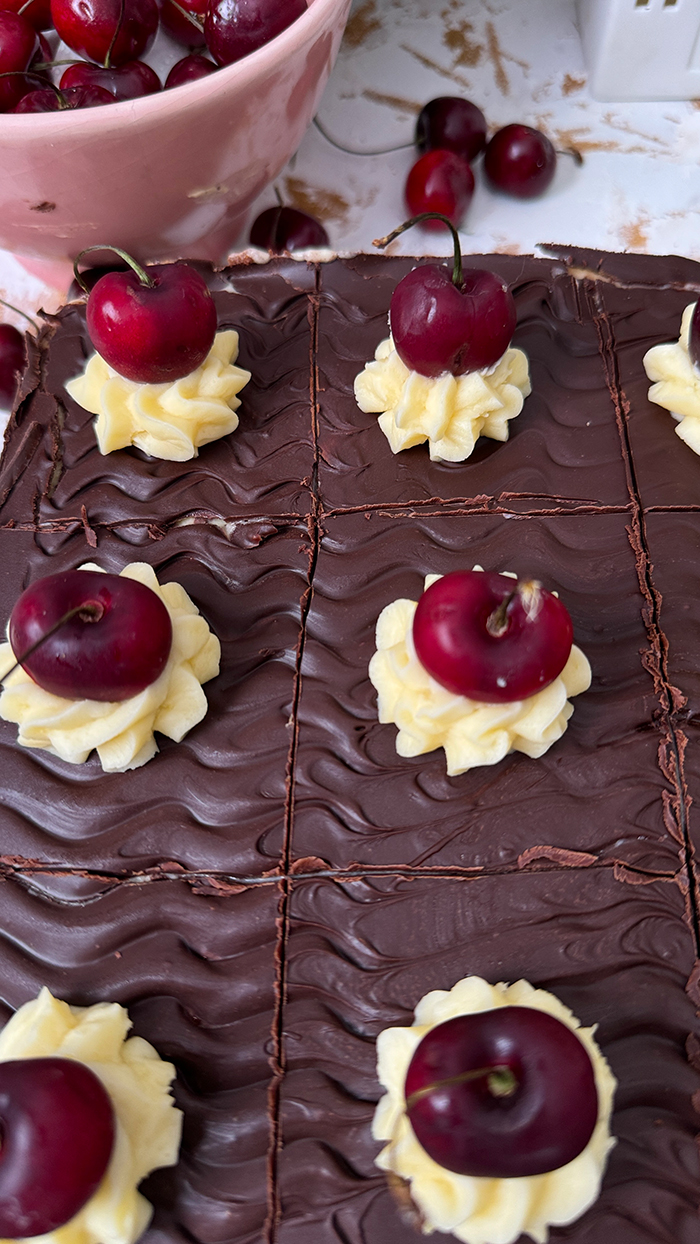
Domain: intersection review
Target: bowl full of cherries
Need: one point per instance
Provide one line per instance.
(99, 146)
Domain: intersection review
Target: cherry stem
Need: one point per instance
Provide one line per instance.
(497, 622)
(351, 150)
(278, 196)
(26, 5)
(190, 16)
(107, 63)
(573, 152)
(18, 311)
(89, 611)
(501, 1082)
(141, 273)
(417, 220)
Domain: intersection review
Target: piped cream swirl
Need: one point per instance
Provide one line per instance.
(472, 733)
(478, 1210)
(169, 421)
(148, 1125)
(676, 382)
(121, 732)
(449, 412)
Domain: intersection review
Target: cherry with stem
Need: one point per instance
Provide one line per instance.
(441, 321)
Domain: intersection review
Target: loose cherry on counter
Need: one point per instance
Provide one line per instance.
(129, 81)
(282, 228)
(449, 321)
(152, 325)
(502, 1094)
(107, 31)
(234, 28)
(520, 161)
(189, 69)
(85, 635)
(442, 184)
(57, 1124)
(452, 124)
(491, 638)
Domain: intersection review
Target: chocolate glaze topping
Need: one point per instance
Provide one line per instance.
(271, 893)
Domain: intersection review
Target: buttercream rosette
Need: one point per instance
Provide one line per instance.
(479, 1210)
(147, 1123)
(449, 412)
(170, 421)
(122, 732)
(472, 733)
(676, 384)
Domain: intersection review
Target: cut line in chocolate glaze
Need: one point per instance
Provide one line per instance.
(273, 891)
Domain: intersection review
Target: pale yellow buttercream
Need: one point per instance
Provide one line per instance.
(449, 412)
(479, 1210)
(472, 733)
(677, 383)
(169, 421)
(148, 1125)
(121, 732)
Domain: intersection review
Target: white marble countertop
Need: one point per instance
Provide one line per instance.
(519, 60)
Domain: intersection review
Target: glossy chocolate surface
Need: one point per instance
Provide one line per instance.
(362, 953)
(272, 892)
(197, 974)
(599, 789)
(216, 800)
(563, 449)
(259, 470)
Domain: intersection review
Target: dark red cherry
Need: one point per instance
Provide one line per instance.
(18, 46)
(694, 337)
(48, 100)
(38, 12)
(13, 357)
(440, 181)
(89, 26)
(520, 161)
(280, 229)
(189, 69)
(188, 33)
(234, 28)
(129, 81)
(439, 326)
(452, 124)
(491, 638)
(155, 332)
(501, 1094)
(57, 1124)
(115, 646)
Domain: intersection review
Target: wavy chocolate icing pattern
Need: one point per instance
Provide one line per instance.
(566, 446)
(261, 470)
(198, 978)
(598, 789)
(360, 953)
(217, 800)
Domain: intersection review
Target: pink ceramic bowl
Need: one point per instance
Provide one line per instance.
(173, 174)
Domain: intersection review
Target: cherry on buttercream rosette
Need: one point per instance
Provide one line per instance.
(448, 373)
(85, 1115)
(483, 664)
(497, 1111)
(102, 661)
(162, 378)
